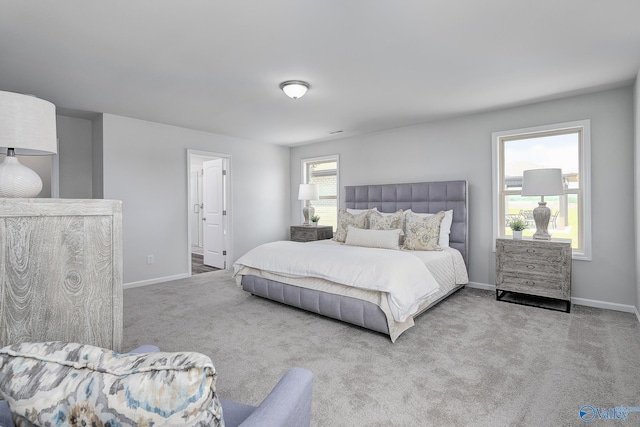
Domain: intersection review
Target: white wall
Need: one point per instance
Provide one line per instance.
(145, 166)
(460, 148)
(636, 109)
(74, 154)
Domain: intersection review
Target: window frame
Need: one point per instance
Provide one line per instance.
(584, 192)
(327, 158)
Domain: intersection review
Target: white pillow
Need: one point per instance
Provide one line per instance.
(386, 213)
(445, 225)
(385, 239)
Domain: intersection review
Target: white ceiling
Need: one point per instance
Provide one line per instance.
(215, 65)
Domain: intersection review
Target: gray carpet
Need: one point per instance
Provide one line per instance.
(469, 361)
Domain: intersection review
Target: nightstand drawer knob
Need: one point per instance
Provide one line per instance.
(531, 251)
(530, 282)
(531, 267)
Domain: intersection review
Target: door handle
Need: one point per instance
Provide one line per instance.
(204, 219)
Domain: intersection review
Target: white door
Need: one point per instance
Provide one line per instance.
(213, 213)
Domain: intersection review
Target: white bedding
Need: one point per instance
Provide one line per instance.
(401, 274)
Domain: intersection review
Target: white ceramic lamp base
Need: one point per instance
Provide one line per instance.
(17, 180)
(541, 216)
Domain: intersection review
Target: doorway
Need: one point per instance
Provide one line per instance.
(208, 211)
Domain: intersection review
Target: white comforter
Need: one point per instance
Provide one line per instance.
(401, 275)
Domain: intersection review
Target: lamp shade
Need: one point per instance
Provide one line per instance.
(542, 182)
(27, 124)
(308, 192)
(294, 88)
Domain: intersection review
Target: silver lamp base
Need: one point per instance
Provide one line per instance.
(541, 216)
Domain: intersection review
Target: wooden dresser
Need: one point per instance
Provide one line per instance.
(302, 233)
(540, 268)
(61, 271)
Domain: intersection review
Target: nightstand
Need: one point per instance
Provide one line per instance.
(302, 233)
(534, 272)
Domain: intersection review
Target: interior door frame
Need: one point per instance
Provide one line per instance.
(228, 201)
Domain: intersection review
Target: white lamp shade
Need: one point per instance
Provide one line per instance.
(27, 124)
(308, 192)
(542, 182)
(294, 88)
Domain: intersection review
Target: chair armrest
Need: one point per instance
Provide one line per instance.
(288, 404)
(147, 348)
(5, 415)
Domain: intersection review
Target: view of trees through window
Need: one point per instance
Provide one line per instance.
(324, 173)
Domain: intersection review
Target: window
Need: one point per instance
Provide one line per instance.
(324, 173)
(565, 146)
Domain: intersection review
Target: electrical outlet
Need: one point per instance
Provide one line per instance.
(150, 259)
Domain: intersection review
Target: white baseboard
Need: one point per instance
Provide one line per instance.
(483, 286)
(154, 281)
(579, 301)
(603, 304)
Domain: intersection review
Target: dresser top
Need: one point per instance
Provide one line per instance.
(530, 239)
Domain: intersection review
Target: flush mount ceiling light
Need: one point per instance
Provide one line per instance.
(294, 88)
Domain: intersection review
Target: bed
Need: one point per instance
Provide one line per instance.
(373, 307)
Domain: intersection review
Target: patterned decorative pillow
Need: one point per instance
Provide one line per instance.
(383, 239)
(345, 219)
(56, 383)
(378, 221)
(445, 226)
(423, 233)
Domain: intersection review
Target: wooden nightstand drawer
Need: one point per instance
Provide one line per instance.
(534, 251)
(533, 285)
(305, 235)
(551, 269)
(300, 233)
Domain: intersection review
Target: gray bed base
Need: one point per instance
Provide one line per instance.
(425, 197)
(351, 310)
(347, 309)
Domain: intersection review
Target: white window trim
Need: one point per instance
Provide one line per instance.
(335, 157)
(585, 255)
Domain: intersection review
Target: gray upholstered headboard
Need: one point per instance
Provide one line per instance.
(422, 197)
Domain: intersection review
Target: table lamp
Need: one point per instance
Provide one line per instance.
(308, 192)
(542, 182)
(27, 127)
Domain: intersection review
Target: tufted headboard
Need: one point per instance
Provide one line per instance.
(422, 197)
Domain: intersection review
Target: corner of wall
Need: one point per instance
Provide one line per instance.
(636, 118)
(97, 138)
